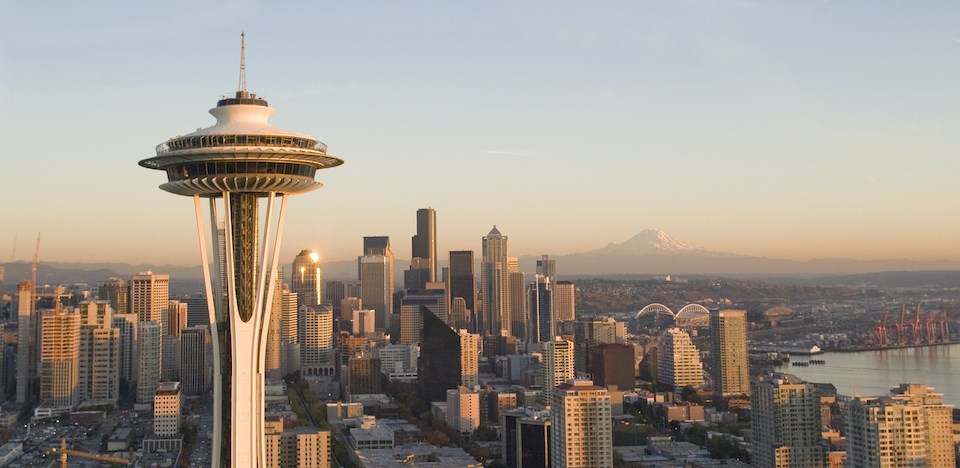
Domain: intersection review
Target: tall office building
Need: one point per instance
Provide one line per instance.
(333, 293)
(348, 305)
(582, 432)
(613, 364)
(547, 268)
(785, 415)
(235, 163)
(363, 374)
(363, 323)
(116, 291)
(439, 364)
(316, 347)
(564, 301)
(166, 409)
(306, 279)
(517, 306)
(728, 350)
(543, 326)
(289, 332)
(60, 359)
(148, 363)
(556, 367)
(195, 366)
(425, 242)
(272, 369)
(494, 277)
(198, 312)
(469, 359)
(911, 427)
(459, 314)
(411, 319)
(462, 283)
(376, 287)
(150, 298)
(678, 360)
(176, 317)
(127, 325)
(26, 342)
(99, 375)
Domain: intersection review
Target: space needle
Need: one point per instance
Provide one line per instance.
(233, 165)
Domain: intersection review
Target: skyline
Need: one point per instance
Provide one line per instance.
(567, 128)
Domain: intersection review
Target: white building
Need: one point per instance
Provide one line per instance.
(785, 414)
(678, 360)
(469, 359)
(463, 410)
(582, 433)
(556, 367)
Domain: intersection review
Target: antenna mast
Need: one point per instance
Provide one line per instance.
(242, 85)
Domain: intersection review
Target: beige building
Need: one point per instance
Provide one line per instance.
(564, 306)
(150, 297)
(469, 359)
(582, 432)
(148, 359)
(786, 423)
(300, 447)
(912, 427)
(363, 322)
(316, 345)
(376, 287)
(99, 377)
(678, 360)
(60, 358)
(463, 410)
(166, 409)
(555, 369)
(728, 350)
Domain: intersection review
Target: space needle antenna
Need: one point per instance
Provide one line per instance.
(242, 85)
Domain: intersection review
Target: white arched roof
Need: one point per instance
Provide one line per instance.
(655, 308)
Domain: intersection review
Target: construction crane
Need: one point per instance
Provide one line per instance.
(64, 451)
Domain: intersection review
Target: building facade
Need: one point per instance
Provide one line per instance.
(678, 360)
(582, 433)
(731, 363)
(785, 418)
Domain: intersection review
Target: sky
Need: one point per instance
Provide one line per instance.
(800, 130)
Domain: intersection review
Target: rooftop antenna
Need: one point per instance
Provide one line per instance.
(242, 85)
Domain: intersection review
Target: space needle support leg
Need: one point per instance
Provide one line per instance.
(211, 312)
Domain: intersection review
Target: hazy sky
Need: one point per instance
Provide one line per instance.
(801, 129)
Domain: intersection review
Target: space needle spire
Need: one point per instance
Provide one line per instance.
(233, 165)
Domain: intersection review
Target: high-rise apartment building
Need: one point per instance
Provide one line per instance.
(785, 415)
(26, 343)
(582, 433)
(127, 326)
(117, 292)
(306, 279)
(148, 359)
(196, 368)
(494, 277)
(463, 410)
(462, 283)
(150, 298)
(556, 367)
(99, 376)
(469, 359)
(911, 427)
(376, 287)
(678, 360)
(564, 301)
(728, 350)
(166, 409)
(60, 359)
(316, 348)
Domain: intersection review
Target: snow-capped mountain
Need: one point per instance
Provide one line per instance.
(647, 242)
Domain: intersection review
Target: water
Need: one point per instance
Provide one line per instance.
(874, 373)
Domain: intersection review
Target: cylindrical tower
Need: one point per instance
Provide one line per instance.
(240, 160)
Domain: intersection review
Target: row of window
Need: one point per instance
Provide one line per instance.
(213, 141)
(188, 171)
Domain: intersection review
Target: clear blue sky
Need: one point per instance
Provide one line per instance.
(802, 129)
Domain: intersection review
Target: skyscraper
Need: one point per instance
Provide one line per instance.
(239, 160)
(316, 346)
(728, 349)
(556, 367)
(176, 317)
(425, 243)
(306, 279)
(60, 359)
(99, 377)
(613, 364)
(580, 417)
(127, 326)
(785, 415)
(411, 319)
(26, 345)
(195, 365)
(542, 327)
(547, 268)
(469, 359)
(150, 298)
(678, 360)
(438, 367)
(376, 287)
(564, 301)
(148, 363)
(116, 291)
(911, 427)
(463, 284)
(493, 283)
(517, 307)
